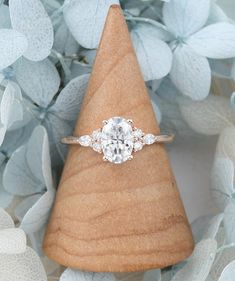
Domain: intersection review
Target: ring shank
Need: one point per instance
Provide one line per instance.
(166, 138)
(70, 140)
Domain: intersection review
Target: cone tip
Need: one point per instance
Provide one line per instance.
(113, 10)
(115, 6)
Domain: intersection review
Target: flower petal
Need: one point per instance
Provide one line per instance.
(152, 275)
(51, 5)
(210, 116)
(22, 267)
(12, 241)
(154, 55)
(16, 138)
(37, 155)
(46, 164)
(184, 17)
(11, 107)
(228, 273)
(191, 73)
(217, 14)
(5, 198)
(32, 20)
(70, 98)
(64, 42)
(22, 208)
(39, 80)
(216, 41)
(17, 178)
(232, 99)
(85, 19)
(23, 172)
(225, 146)
(37, 215)
(233, 70)
(222, 260)
(206, 227)
(199, 264)
(5, 220)
(5, 21)
(222, 181)
(229, 222)
(57, 129)
(12, 46)
(75, 275)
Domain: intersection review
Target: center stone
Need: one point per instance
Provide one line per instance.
(117, 140)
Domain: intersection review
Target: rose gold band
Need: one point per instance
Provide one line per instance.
(158, 139)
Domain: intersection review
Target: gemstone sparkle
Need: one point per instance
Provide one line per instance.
(149, 139)
(117, 140)
(85, 140)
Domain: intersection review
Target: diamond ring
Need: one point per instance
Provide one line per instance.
(117, 139)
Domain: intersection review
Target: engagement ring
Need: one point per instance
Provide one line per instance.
(117, 139)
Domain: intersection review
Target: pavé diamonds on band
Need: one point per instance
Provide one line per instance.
(117, 139)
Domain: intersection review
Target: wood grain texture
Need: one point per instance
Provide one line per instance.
(126, 217)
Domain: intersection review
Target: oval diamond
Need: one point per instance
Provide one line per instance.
(117, 140)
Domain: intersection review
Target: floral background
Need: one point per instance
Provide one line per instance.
(186, 50)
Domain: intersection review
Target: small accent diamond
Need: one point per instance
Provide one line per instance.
(138, 145)
(96, 135)
(137, 133)
(97, 147)
(85, 140)
(149, 139)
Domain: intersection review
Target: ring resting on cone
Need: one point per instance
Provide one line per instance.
(117, 139)
(117, 218)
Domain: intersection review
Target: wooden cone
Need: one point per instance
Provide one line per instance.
(126, 217)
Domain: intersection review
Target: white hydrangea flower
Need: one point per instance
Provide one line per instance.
(76, 275)
(17, 261)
